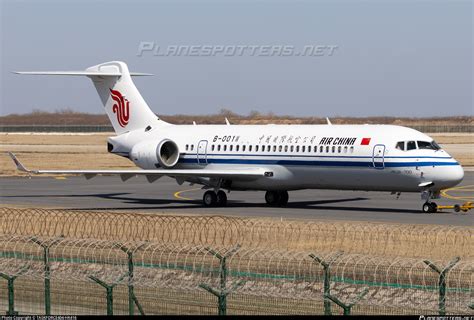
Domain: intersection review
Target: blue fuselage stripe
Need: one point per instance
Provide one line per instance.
(316, 162)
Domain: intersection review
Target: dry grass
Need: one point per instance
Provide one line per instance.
(68, 117)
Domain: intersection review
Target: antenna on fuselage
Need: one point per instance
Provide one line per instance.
(194, 123)
(328, 121)
(227, 122)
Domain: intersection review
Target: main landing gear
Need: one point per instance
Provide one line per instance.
(214, 199)
(276, 198)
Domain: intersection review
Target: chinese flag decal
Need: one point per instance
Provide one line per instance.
(365, 142)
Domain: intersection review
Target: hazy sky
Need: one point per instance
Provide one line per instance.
(394, 58)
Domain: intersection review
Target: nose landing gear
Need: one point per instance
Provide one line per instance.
(430, 207)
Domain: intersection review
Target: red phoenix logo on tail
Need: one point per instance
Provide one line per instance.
(121, 107)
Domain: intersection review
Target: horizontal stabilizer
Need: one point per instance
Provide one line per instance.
(80, 73)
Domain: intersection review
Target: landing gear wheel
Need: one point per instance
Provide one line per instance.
(272, 197)
(430, 207)
(457, 208)
(221, 199)
(209, 199)
(283, 198)
(426, 207)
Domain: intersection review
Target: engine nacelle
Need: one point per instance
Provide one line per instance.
(149, 154)
(167, 153)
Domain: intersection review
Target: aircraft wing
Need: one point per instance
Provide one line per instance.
(154, 174)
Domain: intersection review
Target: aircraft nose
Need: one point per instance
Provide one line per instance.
(455, 175)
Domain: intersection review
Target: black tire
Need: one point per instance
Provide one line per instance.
(283, 198)
(221, 199)
(457, 208)
(426, 207)
(209, 199)
(434, 207)
(272, 197)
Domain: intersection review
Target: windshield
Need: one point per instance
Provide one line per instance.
(412, 145)
(432, 145)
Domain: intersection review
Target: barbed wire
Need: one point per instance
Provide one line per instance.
(355, 237)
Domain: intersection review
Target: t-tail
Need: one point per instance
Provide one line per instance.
(124, 105)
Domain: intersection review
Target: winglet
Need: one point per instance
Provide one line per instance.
(18, 164)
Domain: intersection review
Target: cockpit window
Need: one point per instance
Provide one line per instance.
(411, 145)
(435, 145)
(400, 145)
(428, 145)
(424, 145)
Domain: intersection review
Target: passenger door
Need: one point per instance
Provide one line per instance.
(378, 156)
(202, 152)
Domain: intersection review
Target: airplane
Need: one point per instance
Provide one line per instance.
(271, 158)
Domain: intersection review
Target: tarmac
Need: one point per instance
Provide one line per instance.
(166, 196)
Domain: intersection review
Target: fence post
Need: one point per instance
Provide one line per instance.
(348, 307)
(132, 299)
(223, 291)
(327, 278)
(11, 292)
(47, 273)
(109, 292)
(442, 282)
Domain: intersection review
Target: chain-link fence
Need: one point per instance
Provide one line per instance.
(49, 267)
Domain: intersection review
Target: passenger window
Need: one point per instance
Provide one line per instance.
(279, 148)
(250, 148)
(268, 148)
(256, 148)
(187, 147)
(352, 149)
(315, 149)
(192, 147)
(411, 145)
(243, 148)
(291, 148)
(230, 147)
(219, 147)
(400, 145)
(333, 149)
(321, 148)
(302, 148)
(212, 148)
(225, 147)
(345, 149)
(327, 149)
(274, 148)
(309, 149)
(297, 148)
(339, 149)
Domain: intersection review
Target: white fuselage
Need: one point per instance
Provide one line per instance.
(346, 157)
